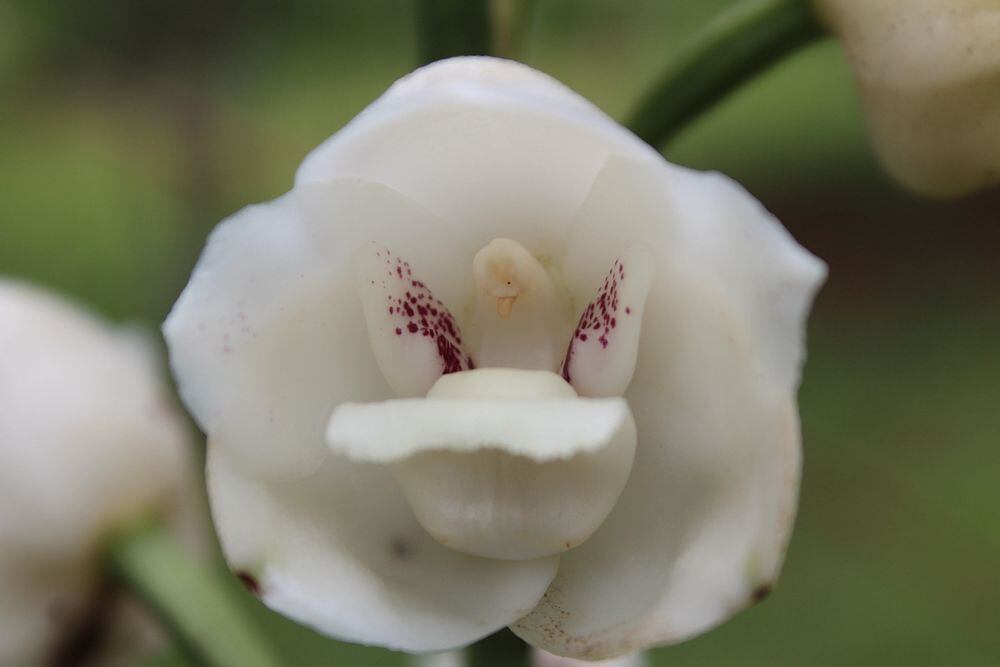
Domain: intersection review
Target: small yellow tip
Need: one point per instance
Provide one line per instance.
(504, 305)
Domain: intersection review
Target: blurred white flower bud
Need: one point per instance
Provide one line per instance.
(928, 72)
(88, 439)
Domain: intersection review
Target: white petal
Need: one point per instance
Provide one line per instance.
(602, 352)
(928, 73)
(413, 335)
(340, 551)
(88, 439)
(269, 335)
(88, 436)
(520, 472)
(700, 530)
(492, 147)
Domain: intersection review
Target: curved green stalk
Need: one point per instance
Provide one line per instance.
(207, 625)
(501, 649)
(735, 46)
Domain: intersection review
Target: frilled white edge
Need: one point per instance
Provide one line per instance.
(88, 438)
(269, 337)
(539, 429)
(700, 531)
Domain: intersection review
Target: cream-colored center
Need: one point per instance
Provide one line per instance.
(522, 316)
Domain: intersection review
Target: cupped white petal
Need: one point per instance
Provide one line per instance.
(701, 528)
(269, 335)
(340, 551)
(526, 470)
(928, 72)
(491, 147)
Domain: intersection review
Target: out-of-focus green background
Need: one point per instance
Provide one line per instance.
(127, 129)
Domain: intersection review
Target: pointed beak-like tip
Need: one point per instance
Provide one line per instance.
(505, 304)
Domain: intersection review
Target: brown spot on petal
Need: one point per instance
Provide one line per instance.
(400, 549)
(249, 582)
(760, 593)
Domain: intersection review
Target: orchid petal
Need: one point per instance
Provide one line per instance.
(454, 136)
(506, 475)
(413, 335)
(602, 352)
(701, 528)
(269, 335)
(374, 576)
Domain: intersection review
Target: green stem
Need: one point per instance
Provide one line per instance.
(205, 622)
(501, 649)
(735, 46)
(447, 28)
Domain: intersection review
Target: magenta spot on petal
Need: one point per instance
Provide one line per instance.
(413, 309)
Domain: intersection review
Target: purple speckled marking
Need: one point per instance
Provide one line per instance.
(600, 317)
(415, 312)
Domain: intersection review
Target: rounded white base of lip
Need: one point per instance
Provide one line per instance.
(497, 462)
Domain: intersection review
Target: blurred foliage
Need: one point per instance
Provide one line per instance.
(128, 129)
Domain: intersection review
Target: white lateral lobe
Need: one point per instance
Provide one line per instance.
(414, 337)
(601, 356)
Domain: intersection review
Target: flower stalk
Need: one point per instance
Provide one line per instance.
(203, 620)
(738, 44)
(501, 649)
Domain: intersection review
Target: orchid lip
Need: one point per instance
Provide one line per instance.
(500, 463)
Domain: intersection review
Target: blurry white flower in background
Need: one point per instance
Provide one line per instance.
(88, 440)
(539, 658)
(425, 372)
(928, 72)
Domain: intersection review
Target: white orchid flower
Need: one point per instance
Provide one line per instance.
(88, 440)
(492, 361)
(928, 72)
